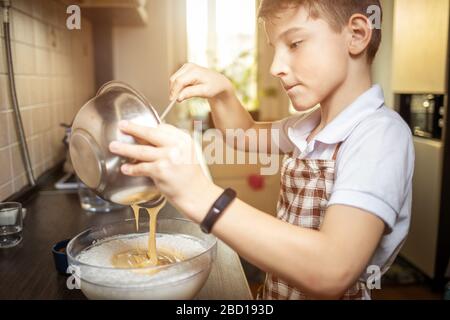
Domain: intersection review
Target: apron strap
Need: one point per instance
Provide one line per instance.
(336, 151)
(338, 146)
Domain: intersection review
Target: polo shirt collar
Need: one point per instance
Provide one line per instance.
(340, 128)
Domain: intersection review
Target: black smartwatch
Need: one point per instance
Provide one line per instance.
(216, 210)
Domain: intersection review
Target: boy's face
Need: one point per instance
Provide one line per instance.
(310, 58)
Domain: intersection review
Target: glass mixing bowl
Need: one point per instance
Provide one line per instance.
(180, 280)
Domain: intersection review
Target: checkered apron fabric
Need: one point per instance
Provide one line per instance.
(305, 190)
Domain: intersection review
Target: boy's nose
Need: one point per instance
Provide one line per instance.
(278, 68)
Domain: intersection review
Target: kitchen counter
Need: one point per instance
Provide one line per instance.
(27, 271)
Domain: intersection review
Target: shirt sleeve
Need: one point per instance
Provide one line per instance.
(375, 168)
(279, 134)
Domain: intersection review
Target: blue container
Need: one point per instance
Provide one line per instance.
(60, 256)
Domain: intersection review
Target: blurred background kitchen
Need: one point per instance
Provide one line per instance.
(142, 43)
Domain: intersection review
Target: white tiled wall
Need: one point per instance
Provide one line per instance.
(54, 76)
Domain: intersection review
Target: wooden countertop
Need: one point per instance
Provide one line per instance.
(27, 271)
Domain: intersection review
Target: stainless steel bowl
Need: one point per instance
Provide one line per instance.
(94, 128)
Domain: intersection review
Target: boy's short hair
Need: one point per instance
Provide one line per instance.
(336, 12)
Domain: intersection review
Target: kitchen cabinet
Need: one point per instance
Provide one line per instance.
(264, 199)
(116, 12)
(259, 191)
(422, 243)
(420, 46)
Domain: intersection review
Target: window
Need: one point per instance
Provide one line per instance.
(222, 36)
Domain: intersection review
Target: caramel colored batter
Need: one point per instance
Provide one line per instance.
(141, 197)
(137, 258)
(140, 258)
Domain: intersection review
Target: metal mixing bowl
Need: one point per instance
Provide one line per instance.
(94, 128)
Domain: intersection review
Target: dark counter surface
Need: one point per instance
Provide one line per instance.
(27, 271)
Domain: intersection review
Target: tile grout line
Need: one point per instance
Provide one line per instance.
(29, 15)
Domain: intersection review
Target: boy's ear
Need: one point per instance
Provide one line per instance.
(361, 34)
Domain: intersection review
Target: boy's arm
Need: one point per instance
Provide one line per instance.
(227, 111)
(321, 263)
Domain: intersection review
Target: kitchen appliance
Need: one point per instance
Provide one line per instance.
(94, 128)
(427, 246)
(424, 113)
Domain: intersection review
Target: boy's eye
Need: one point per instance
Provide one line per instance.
(295, 44)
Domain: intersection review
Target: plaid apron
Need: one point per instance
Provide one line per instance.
(306, 186)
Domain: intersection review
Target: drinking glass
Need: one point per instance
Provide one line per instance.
(10, 224)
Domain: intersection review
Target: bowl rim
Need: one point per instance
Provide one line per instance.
(143, 287)
(115, 84)
(162, 267)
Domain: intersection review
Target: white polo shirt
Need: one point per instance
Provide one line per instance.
(374, 166)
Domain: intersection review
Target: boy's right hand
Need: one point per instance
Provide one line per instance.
(192, 81)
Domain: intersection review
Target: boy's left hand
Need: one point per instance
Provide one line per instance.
(169, 158)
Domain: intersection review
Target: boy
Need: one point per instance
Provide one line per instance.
(345, 199)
